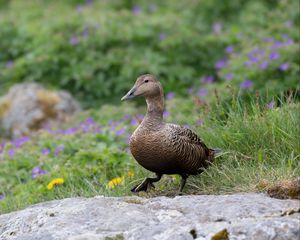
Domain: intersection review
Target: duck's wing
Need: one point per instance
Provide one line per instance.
(189, 146)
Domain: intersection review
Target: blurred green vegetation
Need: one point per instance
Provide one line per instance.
(96, 49)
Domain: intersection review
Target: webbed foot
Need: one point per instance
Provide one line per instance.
(147, 184)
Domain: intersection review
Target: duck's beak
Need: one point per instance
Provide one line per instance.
(129, 95)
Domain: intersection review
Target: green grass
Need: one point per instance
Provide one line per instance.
(259, 145)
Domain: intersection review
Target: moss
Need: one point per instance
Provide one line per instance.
(48, 100)
(290, 212)
(117, 237)
(221, 235)
(134, 201)
(285, 189)
(4, 107)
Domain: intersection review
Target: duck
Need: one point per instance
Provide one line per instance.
(160, 147)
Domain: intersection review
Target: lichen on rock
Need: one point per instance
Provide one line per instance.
(30, 106)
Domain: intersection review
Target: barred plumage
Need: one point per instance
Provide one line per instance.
(161, 147)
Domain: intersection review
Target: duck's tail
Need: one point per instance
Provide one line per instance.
(213, 153)
(216, 151)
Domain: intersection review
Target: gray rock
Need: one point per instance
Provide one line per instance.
(29, 106)
(242, 216)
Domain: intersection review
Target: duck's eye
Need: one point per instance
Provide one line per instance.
(146, 81)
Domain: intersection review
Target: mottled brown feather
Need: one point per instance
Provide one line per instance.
(161, 147)
(172, 149)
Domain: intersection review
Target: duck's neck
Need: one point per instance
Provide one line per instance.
(155, 109)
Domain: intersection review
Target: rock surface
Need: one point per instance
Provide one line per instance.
(240, 216)
(29, 106)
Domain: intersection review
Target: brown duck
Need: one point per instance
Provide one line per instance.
(160, 147)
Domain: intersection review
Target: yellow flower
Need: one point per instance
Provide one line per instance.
(54, 182)
(115, 182)
(130, 174)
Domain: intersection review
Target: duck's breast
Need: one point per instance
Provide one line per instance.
(152, 150)
(169, 150)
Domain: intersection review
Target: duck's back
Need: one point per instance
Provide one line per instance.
(170, 149)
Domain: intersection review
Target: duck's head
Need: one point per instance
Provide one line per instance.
(146, 85)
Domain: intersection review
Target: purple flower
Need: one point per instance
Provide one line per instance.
(69, 131)
(136, 9)
(202, 92)
(269, 39)
(9, 64)
(11, 152)
(19, 142)
(222, 63)
(166, 114)
(120, 132)
(36, 172)
(254, 59)
(191, 90)
(199, 122)
(113, 123)
(126, 117)
(255, 55)
(79, 8)
(277, 44)
(98, 130)
(134, 122)
(85, 33)
(84, 126)
(59, 149)
(152, 7)
(229, 49)
(274, 55)
(284, 66)
(256, 52)
(2, 197)
(74, 40)
(228, 76)
(288, 24)
(263, 65)
(170, 95)
(288, 42)
(89, 2)
(89, 121)
(207, 79)
(246, 84)
(46, 151)
(271, 104)
(217, 27)
(162, 36)
(128, 150)
(2, 145)
(141, 117)
(248, 63)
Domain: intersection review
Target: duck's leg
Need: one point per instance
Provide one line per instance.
(147, 184)
(182, 183)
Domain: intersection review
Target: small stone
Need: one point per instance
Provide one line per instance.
(193, 232)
